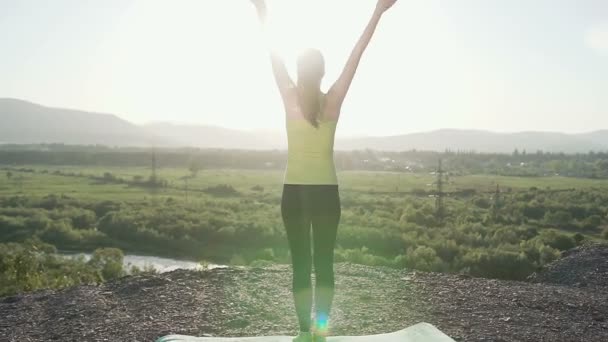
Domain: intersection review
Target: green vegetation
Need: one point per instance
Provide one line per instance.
(230, 216)
(592, 165)
(33, 265)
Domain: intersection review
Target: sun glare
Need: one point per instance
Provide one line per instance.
(191, 59)
(295, 25)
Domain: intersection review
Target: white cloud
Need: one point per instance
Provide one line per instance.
(597, 38)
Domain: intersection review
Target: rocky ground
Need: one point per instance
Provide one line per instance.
(554, 306)
(583, 267)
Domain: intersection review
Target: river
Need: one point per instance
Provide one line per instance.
(141, 261)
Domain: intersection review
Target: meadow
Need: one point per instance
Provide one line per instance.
(492, 226)
(64, 179)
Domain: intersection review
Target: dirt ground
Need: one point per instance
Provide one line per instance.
(258, 301)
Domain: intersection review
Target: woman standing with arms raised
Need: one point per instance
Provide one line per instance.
(310, 191)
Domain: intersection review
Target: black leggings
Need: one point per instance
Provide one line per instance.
(319, 206)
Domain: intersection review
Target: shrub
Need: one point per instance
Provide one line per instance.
(237, 259)
(257, 188)
(447, 250)
(35, 265)
(108, 263)
(84, 219)
(557, 240)
(265, 254)
(498, 264)
(482, 202)
(559, 218)
(361, 256)
(592, 222)
(423, 258)
(147, 269)
(221, 190)
(260, 263)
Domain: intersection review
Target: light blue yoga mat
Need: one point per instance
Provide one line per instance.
(422, 332)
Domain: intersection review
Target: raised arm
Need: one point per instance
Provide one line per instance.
(338, 91)
(279, 70)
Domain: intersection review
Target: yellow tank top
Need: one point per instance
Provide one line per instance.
(310, 156)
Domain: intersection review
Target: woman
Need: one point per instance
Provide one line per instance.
(310, 191)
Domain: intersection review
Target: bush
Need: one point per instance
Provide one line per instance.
(221, 190)
(83, 219)
(257, 188)
(482, 202)
(35, 265)
(108, 263)
(61, 233)
(260, 263)
(147, 269)
(498, 264)
(592, 222)
(361, 256)
(533, 210)
(204, 265)
(447, 250)
(539, 253)
(237, 260)
(559, 218)
(557, 240)
(423, 258)
(265, 254)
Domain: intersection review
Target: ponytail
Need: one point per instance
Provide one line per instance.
(310, 102)
(311, 68)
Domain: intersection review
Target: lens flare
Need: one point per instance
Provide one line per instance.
(321, 323)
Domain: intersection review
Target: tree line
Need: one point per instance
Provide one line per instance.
(585, 165)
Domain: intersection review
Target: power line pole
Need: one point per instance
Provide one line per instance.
(185, 179)
(153, 177)
(496, 204)
(440, 194)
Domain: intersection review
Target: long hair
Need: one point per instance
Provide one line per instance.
(311, 69)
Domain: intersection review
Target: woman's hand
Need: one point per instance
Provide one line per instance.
(260, 5)
(337, 92)
(279, 70)
(383, 5)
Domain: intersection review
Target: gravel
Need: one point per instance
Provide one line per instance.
(244, 301)
(584, 267)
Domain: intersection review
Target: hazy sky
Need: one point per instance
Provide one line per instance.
(506, 65)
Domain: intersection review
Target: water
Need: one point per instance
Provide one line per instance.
(159, 264)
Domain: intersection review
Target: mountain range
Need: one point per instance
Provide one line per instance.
(23, 122)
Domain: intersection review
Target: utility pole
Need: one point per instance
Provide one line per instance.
(153, 177)
(185, 179)
(398, 181)
(440, 194)
(496, 204)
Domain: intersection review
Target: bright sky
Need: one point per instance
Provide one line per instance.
(507, 65)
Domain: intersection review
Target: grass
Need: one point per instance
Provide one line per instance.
(39, 184)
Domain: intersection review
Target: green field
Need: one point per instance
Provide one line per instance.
(231, 216)
(242, 180)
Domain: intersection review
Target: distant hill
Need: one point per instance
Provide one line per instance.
(483, 141)
(598, 137)
(217, 137)
(23, 122)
